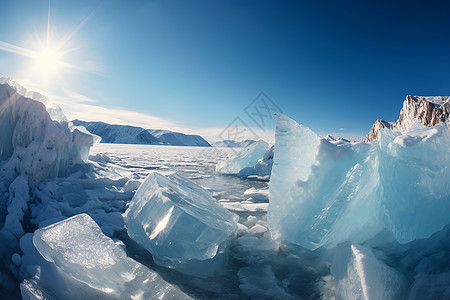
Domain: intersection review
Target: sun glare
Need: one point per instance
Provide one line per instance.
(47, 62)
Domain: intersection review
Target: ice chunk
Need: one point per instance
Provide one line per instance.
(358, 274)
(322, 194)
(255, 159)
(178, 221)
(81, 259)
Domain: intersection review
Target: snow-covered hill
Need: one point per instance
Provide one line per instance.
(125, 134)
(176, 138)
(118, 134)
(425, 111)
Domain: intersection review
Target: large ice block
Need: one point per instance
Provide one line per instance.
(322, 194)
(34, 145)
(87, 263)
(178, 221)
(255, 159)
(358, 274)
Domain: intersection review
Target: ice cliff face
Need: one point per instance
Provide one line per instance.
(426, 111)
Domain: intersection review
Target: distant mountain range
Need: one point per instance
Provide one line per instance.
(125, 134)
(233, 144)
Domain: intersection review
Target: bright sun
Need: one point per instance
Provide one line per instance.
(47, 62)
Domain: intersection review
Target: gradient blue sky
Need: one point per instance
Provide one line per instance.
(335, 66)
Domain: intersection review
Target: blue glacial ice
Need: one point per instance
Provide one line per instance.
(254, 160)
(322, 194)
(80, 262)
(178, 222)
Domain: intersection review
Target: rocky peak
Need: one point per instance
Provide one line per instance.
(375, 131)
(427, 111)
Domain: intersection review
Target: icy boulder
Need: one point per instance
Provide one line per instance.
(255, 159)
(177, 221)
(82, 263)
(358, 274)
(322, 194)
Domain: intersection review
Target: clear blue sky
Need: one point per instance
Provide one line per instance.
(196, 64)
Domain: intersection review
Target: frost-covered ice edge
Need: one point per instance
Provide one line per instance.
(64, 235)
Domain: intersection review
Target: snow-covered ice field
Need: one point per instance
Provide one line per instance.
(197, 164)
